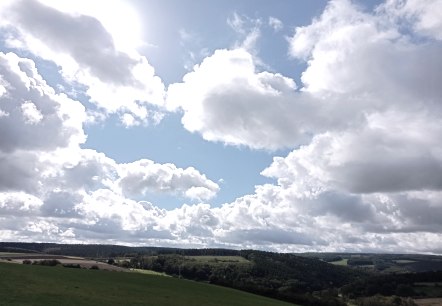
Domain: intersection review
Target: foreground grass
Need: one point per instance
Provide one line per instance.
(38, 285)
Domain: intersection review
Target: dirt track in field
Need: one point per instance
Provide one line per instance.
(429, 302)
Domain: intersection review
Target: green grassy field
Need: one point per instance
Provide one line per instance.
(342, 262)
(149, 272)
(39, 285)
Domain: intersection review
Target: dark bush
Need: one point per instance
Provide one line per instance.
(50, 262)
(75, 266)
(47, 262)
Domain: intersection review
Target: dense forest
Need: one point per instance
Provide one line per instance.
(283, 276)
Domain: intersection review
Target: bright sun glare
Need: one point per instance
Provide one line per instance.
(118, 17)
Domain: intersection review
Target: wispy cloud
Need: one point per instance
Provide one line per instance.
(275, 24)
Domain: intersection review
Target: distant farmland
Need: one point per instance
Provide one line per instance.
(65, 260)
(39, 285)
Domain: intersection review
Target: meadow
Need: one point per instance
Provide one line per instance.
(40, 285)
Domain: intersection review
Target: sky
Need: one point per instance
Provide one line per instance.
(287, 126)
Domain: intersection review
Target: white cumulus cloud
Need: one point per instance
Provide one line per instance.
(363, 129)
(145, 175)
(116, 81)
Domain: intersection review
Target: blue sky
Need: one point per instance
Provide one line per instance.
(237, 169)
(277, 125)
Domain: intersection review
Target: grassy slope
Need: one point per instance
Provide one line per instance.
(342, 262)
(37, 285)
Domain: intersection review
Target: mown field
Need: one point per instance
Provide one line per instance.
(342, 262)
(39, 285)
(65, 260)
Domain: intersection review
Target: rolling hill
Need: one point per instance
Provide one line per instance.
(39, 285)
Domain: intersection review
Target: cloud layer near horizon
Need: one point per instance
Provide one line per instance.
(365, 168)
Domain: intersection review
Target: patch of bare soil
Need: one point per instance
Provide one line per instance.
(429, 302)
